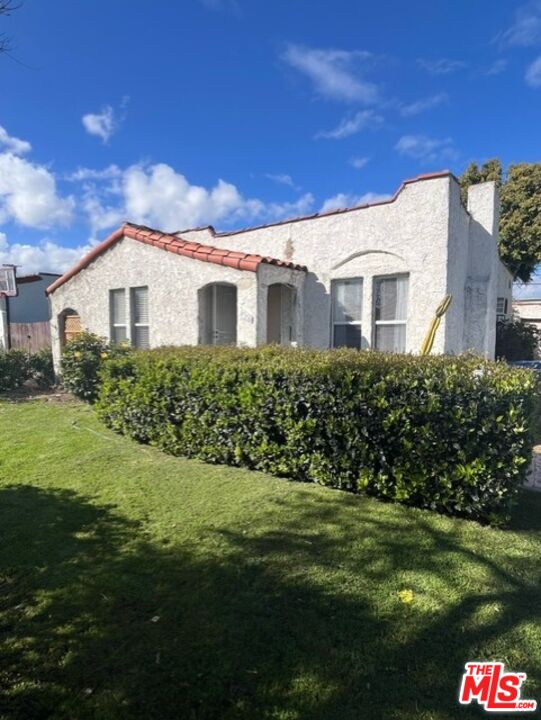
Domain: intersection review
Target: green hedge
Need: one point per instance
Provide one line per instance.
(448, 434)
(18, 366)
(82, 360)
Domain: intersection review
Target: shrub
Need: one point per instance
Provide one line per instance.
(82, 360)
(14, 369)
(516, 340)
(18, 366)
(448, 434)
(41, 367)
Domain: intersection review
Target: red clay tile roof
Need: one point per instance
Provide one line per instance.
(174, 244)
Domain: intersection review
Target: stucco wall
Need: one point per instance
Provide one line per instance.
(425, 232)
(173, 283)
(407, 235)
(505, 287)
(484, 269)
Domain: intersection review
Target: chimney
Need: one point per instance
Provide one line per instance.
(484, 206)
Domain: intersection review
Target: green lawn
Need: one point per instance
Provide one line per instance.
(137, 585)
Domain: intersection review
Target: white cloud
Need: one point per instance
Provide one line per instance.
(497, 67)
(359, 162)
(345, 200)
(158, 196)
(45, 257)
(278, 211)
(281, 179)
(419, 106)
(13, 144)
(335, 74)
(443, 66)
(526, 30)
(426, 149)
(362, 120)
(533, 73)
(29, 196)
(84, 173)
(102, 124)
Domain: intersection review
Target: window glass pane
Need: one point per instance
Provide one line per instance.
(141, 336)
(347, 336)
(140, 305)
(347, 300)
(118, 306)
(391, 298)
(391, 338)
(118, 335)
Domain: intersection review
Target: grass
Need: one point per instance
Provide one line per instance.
(137, 585)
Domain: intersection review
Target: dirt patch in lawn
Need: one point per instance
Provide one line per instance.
(31, 392)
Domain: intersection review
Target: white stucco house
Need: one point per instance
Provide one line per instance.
(366, 277)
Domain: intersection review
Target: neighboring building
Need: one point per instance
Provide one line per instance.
(529, 311)
(366, 277)
(25, 316)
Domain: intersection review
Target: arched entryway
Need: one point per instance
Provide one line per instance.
(69, 323)
(218, 314)
(281, 307)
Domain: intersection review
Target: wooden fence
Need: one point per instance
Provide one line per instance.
(30, 336)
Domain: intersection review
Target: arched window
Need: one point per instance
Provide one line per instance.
(281, 301)
(218, 314)
(69, 324)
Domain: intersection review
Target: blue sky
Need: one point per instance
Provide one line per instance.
(235, 112)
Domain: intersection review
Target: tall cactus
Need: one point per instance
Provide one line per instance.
(428, 343)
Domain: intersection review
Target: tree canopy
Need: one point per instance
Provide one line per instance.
(520, 220)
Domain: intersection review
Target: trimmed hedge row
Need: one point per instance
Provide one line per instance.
(18, 366)
(448, 434)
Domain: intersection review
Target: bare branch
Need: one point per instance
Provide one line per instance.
(6, 8)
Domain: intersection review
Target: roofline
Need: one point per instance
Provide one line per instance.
(22, 279)
(86, 260)
(35, 277)
(326, 213)
(177, 245)
(131, 230)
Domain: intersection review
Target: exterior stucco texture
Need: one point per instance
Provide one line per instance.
(424, 232)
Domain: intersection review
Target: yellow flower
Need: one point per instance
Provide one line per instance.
(104, 356)
(406, 596)
(77, 354)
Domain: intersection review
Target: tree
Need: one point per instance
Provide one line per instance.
(473, 174)
(516, 340)
(6, 8)
(520, 221)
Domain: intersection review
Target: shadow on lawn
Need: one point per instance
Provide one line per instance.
(95, 622)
